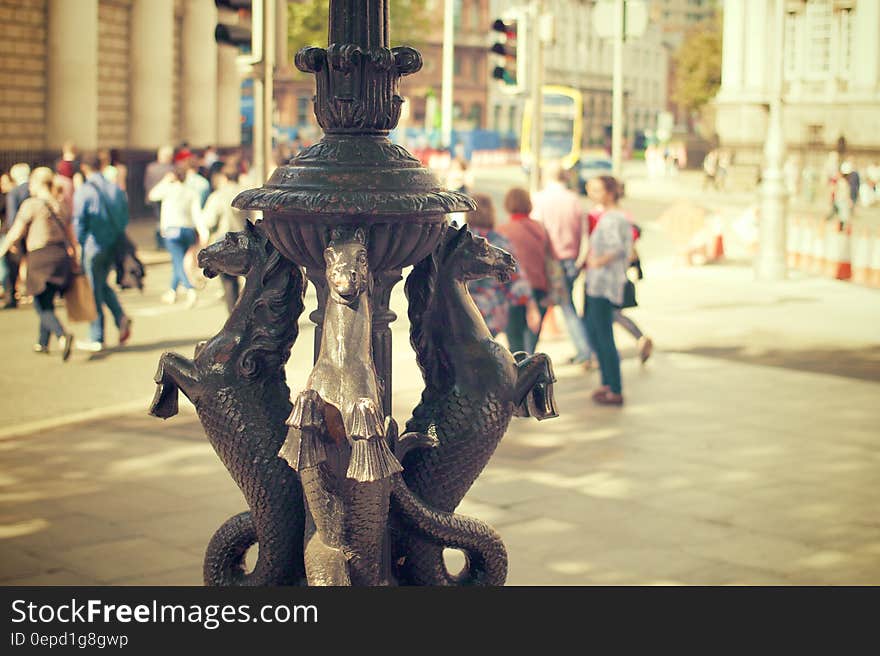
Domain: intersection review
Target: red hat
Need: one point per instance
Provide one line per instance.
(182, 155)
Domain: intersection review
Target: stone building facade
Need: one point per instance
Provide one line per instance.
(125, 74)
(676, 17)
(831, 76)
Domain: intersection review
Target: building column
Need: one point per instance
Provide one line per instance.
(73, 73)
(199, 73)
(865, 46)
(228, 106)
(756, 47)
(152, 73)
(733, 47)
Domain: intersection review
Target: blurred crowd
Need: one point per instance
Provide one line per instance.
(63, 232)
(190, 194)
(555, 241)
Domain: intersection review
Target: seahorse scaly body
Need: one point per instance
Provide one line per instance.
(236, 382)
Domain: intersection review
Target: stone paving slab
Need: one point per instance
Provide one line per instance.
(692, 491)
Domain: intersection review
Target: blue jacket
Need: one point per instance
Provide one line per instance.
(14, 199)
(99, 218)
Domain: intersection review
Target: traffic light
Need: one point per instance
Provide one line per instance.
(506, 67)
(240, 34)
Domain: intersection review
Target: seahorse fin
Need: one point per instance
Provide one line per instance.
(303, 449)
(413, 440)
(371, 457)
(165, 401)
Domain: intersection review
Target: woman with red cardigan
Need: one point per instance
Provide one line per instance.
(530, 244)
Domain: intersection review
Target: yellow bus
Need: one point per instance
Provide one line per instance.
(563, 119)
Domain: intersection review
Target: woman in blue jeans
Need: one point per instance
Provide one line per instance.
(607, 262)
(177, 224)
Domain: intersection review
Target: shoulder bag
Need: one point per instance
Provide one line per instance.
(79, 299)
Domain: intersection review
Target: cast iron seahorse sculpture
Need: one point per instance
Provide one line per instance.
(237, 384)
(338, 443)
(473, 386)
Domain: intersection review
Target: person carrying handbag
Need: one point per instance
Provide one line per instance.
(44, 231)
(607, 263)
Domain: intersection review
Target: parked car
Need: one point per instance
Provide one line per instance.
(590, 167)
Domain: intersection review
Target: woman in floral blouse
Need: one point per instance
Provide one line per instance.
(607, 262)
(495, 299)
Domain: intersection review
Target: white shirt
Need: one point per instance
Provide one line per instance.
(180, 205)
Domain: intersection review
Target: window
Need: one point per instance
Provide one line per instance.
(818, 15)
(456, 64)
(476, 116)
(496, 117)
(845, 30)
(475, 70)
(302, 110)
(476, 18)
(790, 46)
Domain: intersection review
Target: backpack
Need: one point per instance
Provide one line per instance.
(109, 238)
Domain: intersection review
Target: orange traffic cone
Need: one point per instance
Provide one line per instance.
(839, 262)
(819, 250)
(793, 243)
(861, 257)
(874, 267)
(713, 238)
(808, 235)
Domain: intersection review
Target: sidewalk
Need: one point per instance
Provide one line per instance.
(723, 467)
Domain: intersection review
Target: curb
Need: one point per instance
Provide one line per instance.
(33, 428)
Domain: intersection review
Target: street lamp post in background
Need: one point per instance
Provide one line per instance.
(448, 72)
(770, 263)
(265, 40)
(536, 83)
(617, 20)
(617, 89)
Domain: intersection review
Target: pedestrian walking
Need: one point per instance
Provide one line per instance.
(531, 247)
(722, 168)
(218, 218)
(10, 262)
(607, 262)
(854, 181)
(177, 224)
(43, 226)
(644, 343)
(560, 212)
(100, 216)
(843, 204)
(710, 169)
(154, 173)
(69, 164)
(113, 168)
(496, 300)
(195, 180)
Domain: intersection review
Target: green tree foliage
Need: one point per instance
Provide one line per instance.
(307, 23)
(698, 65)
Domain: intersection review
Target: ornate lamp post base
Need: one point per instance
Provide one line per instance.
(343, 498)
